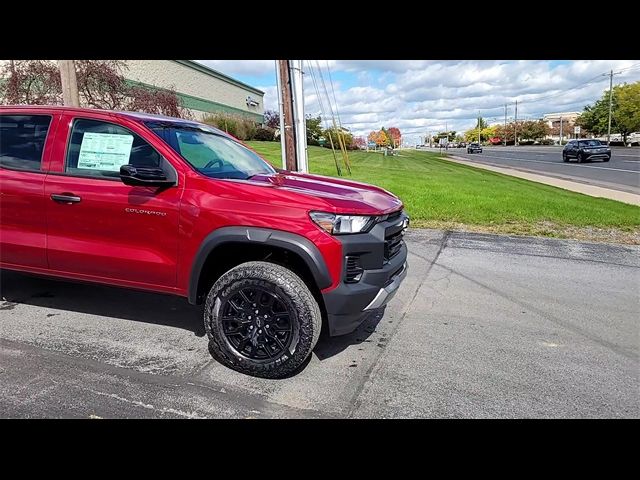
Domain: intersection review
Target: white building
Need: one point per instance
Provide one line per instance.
(553, 119)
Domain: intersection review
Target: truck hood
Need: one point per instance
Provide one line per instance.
(342, 196)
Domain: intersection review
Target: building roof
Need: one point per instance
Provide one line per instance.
(560, 114)
(138, 116)
(214, 73)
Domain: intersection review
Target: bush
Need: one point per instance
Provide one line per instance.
(236, 125)
(547, 141)
(526, 142)
(264, 134)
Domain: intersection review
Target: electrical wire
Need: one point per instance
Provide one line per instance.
(323, 115)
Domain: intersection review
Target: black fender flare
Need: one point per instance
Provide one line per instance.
(297, 244)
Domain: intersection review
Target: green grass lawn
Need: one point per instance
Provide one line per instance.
(442, 194)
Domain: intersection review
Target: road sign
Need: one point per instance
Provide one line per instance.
(576, 130)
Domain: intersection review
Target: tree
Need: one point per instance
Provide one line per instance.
(314, 129)
(450, 135)
(360, 142)
(567, 129)
(101, 84)
(378, 137)
(505, 132)
(387, 137)
(161, 102)
(625, 114)
(30, 82)
(395, 136)
(533, 129)
(345, 135)
(272, 119)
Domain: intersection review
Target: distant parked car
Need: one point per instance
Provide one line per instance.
(474, 147)
(462, 145)
(583, 150)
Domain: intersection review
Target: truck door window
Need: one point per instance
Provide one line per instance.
(99, 149)
(22, 139)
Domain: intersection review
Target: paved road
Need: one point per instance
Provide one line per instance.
(484, 326)
(622, 172)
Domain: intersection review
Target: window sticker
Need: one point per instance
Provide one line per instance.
(104, 151)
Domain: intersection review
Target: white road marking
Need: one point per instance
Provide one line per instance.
(470, 157)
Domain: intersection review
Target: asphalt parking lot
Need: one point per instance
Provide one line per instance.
(622, 172)
(484, 326)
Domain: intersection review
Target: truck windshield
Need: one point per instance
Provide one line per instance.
(211, 153)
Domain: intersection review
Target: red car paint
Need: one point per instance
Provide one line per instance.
(141, 238)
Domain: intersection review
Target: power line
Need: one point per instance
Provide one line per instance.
(323, 115)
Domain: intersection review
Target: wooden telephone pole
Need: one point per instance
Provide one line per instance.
(293, 136)
(287, 132)
(70, 95)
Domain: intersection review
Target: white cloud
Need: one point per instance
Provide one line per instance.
(421, 95)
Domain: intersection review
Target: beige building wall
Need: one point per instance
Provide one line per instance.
(201, 89)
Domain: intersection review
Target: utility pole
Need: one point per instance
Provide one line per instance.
(505, 125)
(560, 129)
(610, 106)
(446, 132)
(287, 132)
(478, 127)
(69, 81)
(300, 125)
(515, 128)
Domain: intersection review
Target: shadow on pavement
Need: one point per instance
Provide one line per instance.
(329, 346)
(168, 310)
(18, 288)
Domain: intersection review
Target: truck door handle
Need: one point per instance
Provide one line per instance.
(65, 198)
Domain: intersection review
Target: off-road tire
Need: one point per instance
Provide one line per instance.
(287, 285)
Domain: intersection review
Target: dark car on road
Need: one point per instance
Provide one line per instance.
(583, 150)
(474, 148)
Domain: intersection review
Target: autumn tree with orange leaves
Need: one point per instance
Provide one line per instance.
(384, 137)
(396, 136)
(378, 137)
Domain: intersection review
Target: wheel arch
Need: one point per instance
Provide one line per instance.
(252, 243)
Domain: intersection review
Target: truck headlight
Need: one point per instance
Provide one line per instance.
(337, 224)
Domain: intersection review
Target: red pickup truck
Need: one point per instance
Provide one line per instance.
(175, 206)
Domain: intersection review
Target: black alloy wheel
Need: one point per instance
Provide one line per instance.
(262, 319)
(257, 323)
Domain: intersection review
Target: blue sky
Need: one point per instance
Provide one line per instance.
(420, 96)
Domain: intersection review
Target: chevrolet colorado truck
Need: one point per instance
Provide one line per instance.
(178, 207)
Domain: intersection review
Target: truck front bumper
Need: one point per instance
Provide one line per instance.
(348, 304)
